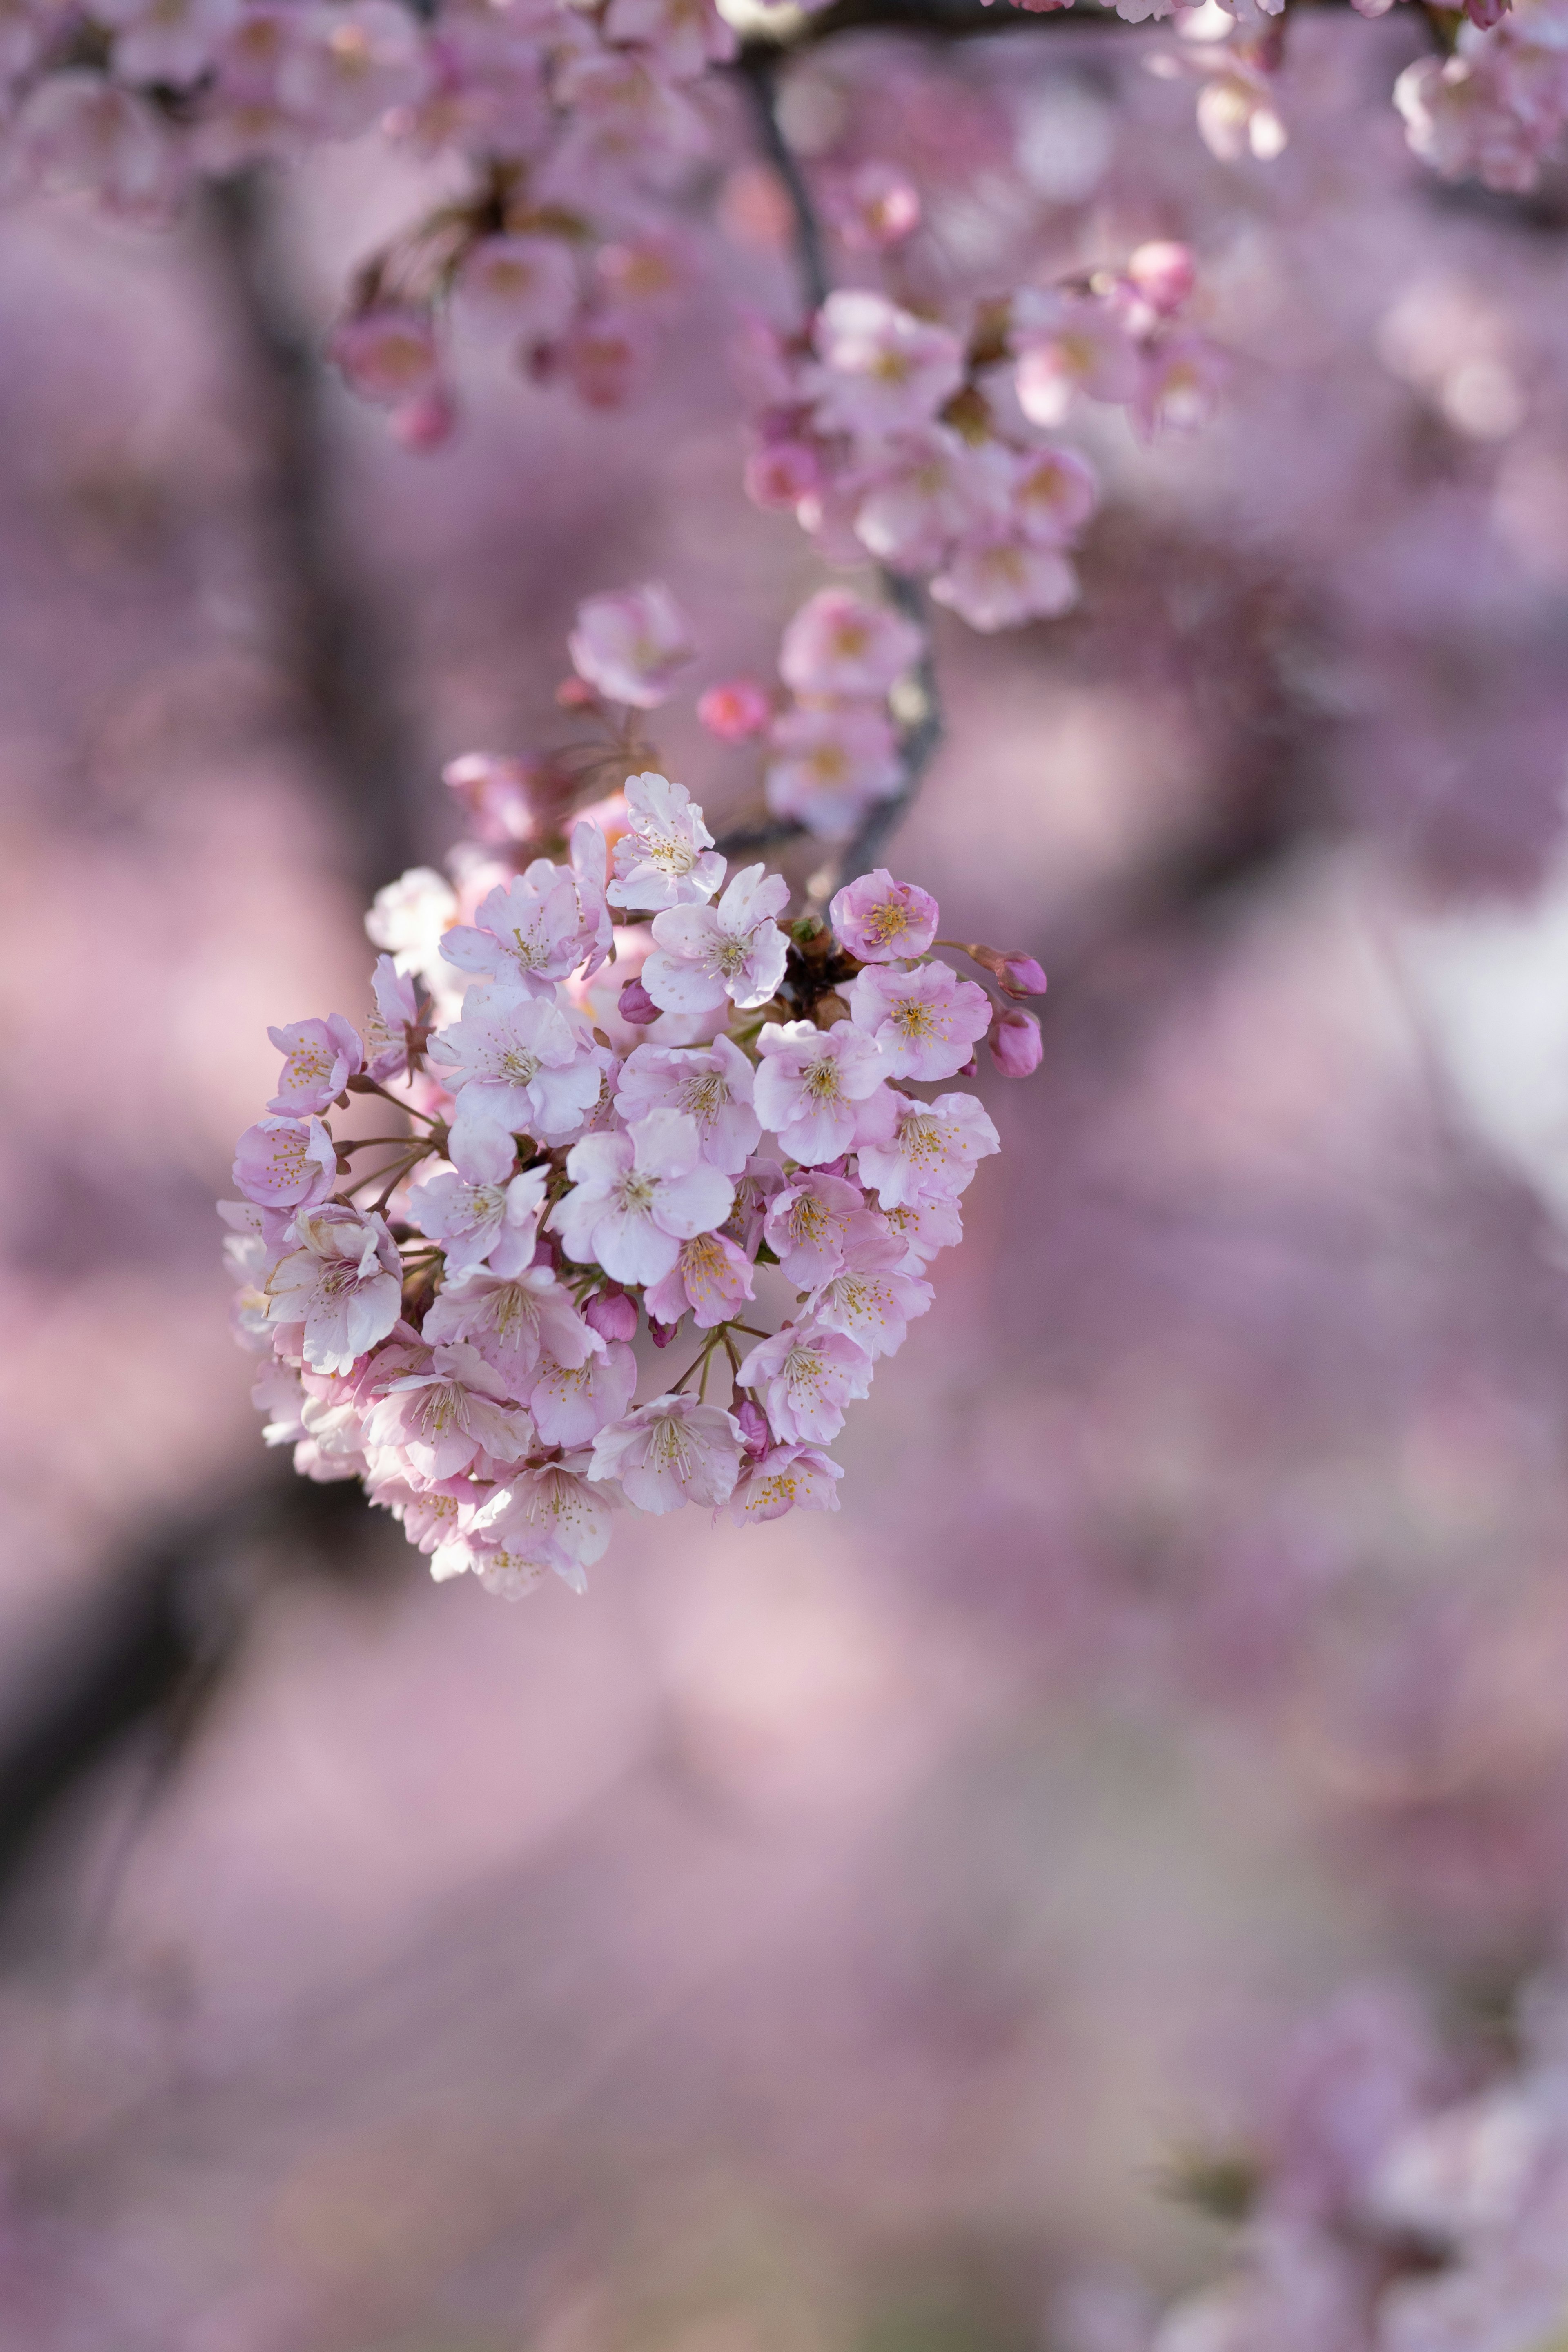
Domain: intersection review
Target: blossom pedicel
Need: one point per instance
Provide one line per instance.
(448, 1318)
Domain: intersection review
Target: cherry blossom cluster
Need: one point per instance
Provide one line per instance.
(1401, 2198)
(617, 1089)
(894, 438)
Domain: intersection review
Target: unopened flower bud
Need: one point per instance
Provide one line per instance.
(1014, 1040)
(636, 1005)
(575, 694)
(1020, 974)
(425, 424)
(662, 1334)
(735, 708)
(1164, 274)
(612, 1314)
(755, 1434)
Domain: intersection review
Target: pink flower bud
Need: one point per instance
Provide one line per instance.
(425, 424)
(611, 1313)
(1014, 1042)
(575, 694)
(1019, 973)
(1485, 14)
(662, 1334)
(754, 1431)
(1164, 275)
(735, 708)
(636, 1005)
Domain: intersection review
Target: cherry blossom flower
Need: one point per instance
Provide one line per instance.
(735, 950)
(431, 1516)
(631, 645)
(1054, 492)
(525, 283)
(517, 1062)
(286, 1163)
(570, 1402)
(670, 1452)
(411, 916)
(556, 1500)
(928, 1147)
(922, 1226)
(755, 1187)
(1184, 376)
(924, 1023)
(389, 1048)
(928, 490)
(665, 857)
(709, 1275)
(831, 764)
(685, 35)
(1067, 344)
(789, 1478)
(343, 1282)
(876, 207)
(514, 1320)
(319, 1059)
(388, 355)
(76, 129)
(712, 1085)
(870, 1298)
(881, 920)
(529, 932)
(349, 64)
(837, 644)
(806, 1224)
(479, 1210)
(806, 1375)
(882, 369)
(443, 1420)
(636, 1196)
(997, 581)
(811, 1085)
(735, 710)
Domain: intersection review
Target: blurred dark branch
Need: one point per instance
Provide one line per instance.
(333, 640)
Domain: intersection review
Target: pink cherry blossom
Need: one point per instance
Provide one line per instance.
(684, 35)
(343, 1282)
(789, 1478)
(318, 1058)
(286, 1163)
(735, 950)
(351, 63)
(570, 1402)
(1184, 376)
(443, 1420)
(410, 918)
(517, 1062)
(928, 489)
(76, 129)
(556, 1501)
(1164, 274)
(928, 1147)
(830, 764)
(670, 1452)
(632, 646)
(1053, 494)
(514, 1320)
(529, 932)
(811, 1084)
(882, 369)
(388, 1032)
(1069, 344)
(755, 1186)
(870, 1298)
(881, 920)
(876, 206)
(837, 644)
(806, 1224)
(525, 283)
(480, 1212)
(735, 709)
(805, 1376)
(712, 1085)
(1001, 579)
(665, 857)
(388, 355)
(925, 1023)
(636, 1196)
(711, 1276)
(922, 1226)
(431, 1516)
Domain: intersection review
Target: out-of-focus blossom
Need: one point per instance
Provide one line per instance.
(839, 644)
(882, 371)
(633, 645)
(830, 764)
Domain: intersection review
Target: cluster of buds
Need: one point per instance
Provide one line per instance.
(892, 437)
(618, 1090)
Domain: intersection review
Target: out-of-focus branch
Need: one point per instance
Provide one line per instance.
(922, 732)
(332, 638)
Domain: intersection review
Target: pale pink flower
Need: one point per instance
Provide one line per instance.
(286, 1163)
(881, 920)
(409, 917)
(527, 284)
(928, 1147)
(926, 491)
(519, 1063)
(829, 763)
(709, 1275)
(514, 1321)
(703, 954)
(998, 581)
(1053, 494)
(510, 1567)
(494, 793)
(570, 1402)
(646, 274)
(249, 1254)
(352, 62)
(442, 1421)
(431, 1516)
(1184, 376)
(388, 1046)
(922, 1226)
(1014, 1042)
(637, 1197)
(811, 1084)
(783, 472)
(172, 41)
(76, 130)
(925, 1023)
(686, 36)
(711, 1084)
(837, 644)
(1164, 274)
(319, 1059)
(665, 857)
(1461, 116)
(870, 1298)
(628, 117)
(754, 1188)
(670, 1452)
(882, 369)
(876, 206)
(805, 1376)
(479, 1210)
(631, 645)
(601, 355)
(556, 1501)
(1237, 111)
(806, 1225)
(735, 710)
(790, 1479)
(343, 1282)
(1067, 344)
(529, 932)
(388, 355)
